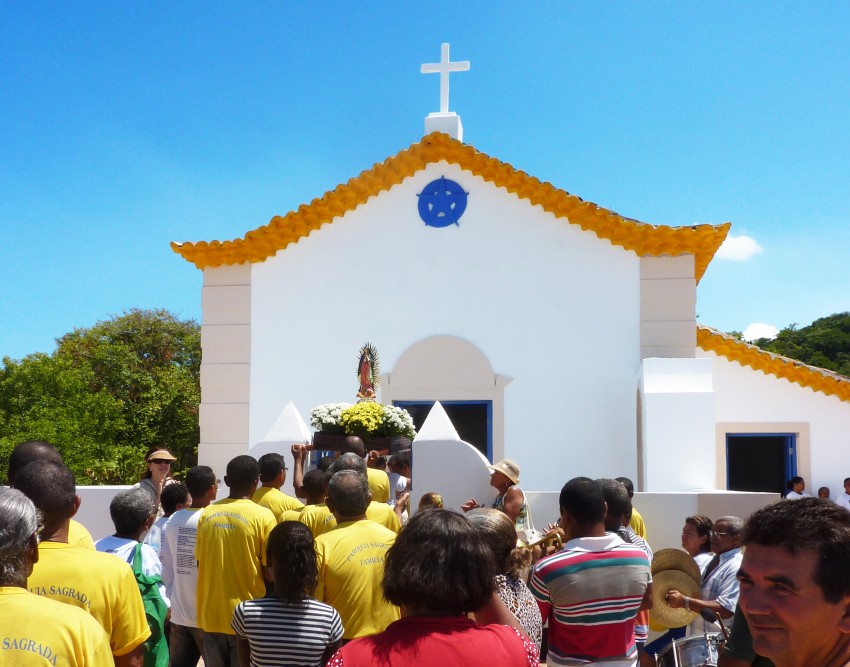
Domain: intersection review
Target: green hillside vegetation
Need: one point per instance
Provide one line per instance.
(106, 394)
(824, 343)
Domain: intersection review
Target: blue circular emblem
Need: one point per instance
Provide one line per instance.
(441, 203)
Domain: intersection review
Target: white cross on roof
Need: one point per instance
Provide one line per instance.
(443, 68)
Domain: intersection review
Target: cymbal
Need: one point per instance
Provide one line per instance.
(663, 614)
(656, 627)
(676, 559)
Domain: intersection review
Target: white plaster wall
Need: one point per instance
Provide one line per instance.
(466, 478)
(225, 368)
(677, 424)
(665, 513)
(94, 508)
(551, 306)
(667, 301)
(744, 395)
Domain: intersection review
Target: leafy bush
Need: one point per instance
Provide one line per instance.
(106, 394)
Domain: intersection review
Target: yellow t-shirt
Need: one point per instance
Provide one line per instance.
(231, 550)
(79, 536)
(636, 523)
(379, 484)
(383, 514)
(318, 519)
(99, 583)
(275, 500)
(291, 515)
(351, 566)
(36, 632)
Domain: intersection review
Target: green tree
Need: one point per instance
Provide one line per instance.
(106, 394)
(824, 343)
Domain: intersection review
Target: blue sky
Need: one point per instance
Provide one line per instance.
(126, 126)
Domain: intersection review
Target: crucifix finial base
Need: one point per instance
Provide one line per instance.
(444, 122)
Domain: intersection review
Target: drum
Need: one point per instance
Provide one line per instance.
(693, 651)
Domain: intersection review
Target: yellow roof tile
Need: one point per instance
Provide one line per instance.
(818, 379)
(700, 240)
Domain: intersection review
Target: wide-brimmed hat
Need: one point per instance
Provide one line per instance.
(162, 454)
(508, 468)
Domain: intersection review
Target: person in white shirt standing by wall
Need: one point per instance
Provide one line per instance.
(844, 499)
(180, 569)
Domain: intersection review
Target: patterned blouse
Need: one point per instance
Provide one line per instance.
(521, 518)
(521, 603)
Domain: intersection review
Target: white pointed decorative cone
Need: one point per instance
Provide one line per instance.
(437, 426)
(288, 429)
(445, 464)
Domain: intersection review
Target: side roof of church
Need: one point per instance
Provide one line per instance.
(644, 239)
(817, 379)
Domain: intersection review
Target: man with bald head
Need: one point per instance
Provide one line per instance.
(351, 559)
(379, 481)
(380, 513)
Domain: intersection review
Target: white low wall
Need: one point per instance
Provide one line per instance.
(664, 513)
(94, 508)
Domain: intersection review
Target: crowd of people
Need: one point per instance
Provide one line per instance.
(347, 573)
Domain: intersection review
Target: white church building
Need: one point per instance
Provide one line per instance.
(554, 332)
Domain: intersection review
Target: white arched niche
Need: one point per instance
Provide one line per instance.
(453, 371)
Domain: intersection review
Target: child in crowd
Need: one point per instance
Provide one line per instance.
(173, 497)
(289, 627)
(430, 500)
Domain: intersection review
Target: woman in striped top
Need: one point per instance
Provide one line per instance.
(288, 628)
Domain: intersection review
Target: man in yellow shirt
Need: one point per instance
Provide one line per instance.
(231, 554)
(272, 477)
(319, 518)
(316, 516)
(98, 583)
(351, 559)
(314, 491)
(38, 631)
(379, 481)
(39, 450)
(636, 522)
(378, 512)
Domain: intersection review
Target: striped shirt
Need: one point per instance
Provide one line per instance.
(642, 619)
(590, 592)
(281, 633)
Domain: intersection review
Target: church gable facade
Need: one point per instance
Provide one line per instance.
(525, 309)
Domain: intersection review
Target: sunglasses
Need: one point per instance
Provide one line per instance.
(160, 461)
